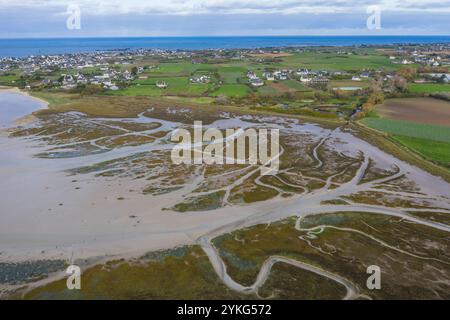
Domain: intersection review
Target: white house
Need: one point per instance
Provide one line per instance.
(161, 84)
(305, 79)
(257, 82)
(269, 76)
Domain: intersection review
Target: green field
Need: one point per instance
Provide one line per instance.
(175, 86)
(410, 129)
(231, 74)
(268, 91)
(433, 150)
(9, 79)
(430, 141)
(183, 67)
(333, 61)
(295, 85)
(232, 90)
(428, 87)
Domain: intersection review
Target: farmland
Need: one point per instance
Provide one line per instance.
(332, 61)
(228, 78)
(9, 79)
(410, 129)
(175, 86)
(350, 83)
(430, 141)
(419, 110)
(420, 124)
(429, 87)
(232, 90)
(433, 150)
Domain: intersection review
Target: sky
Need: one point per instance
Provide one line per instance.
(108, 18)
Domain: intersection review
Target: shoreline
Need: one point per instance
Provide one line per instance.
(22, 92)
(211, 42)
(100, 226)
(26, 119)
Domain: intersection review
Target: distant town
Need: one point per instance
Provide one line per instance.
(114, 69)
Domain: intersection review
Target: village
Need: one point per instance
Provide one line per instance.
(114, 69)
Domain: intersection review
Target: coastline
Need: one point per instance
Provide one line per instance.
(23, 47)
(29, 118)
(100, 228)
(22, 92)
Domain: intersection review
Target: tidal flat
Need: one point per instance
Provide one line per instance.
(80, 184)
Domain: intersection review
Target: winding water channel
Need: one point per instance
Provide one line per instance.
(43, 215)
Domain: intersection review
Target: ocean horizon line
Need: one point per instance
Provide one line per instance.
(23, 47)
(225, 36)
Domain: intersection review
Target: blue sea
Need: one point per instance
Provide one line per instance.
(26, 47)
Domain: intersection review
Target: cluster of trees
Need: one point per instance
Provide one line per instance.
(322, 96)
(442, 96)
(222, 100)
(88, 89)
(432, 69)
(409, 73)
(397, 83)
(368, 106)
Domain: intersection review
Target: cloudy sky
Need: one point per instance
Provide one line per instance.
(47, 18)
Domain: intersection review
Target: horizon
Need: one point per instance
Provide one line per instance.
(228, 36)
(24, 47)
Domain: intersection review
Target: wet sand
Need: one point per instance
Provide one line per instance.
(16, 107)
(45, 213)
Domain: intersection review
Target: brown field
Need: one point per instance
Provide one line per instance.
(349, 83)
(420, 110)
(442, 52)
(280, 87)
(271, 55)
(386, 51)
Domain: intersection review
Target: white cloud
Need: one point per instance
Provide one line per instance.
(30, 18)
(192, 7)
